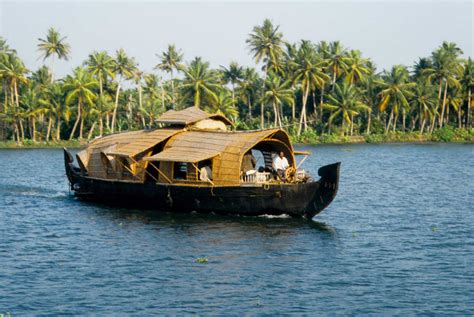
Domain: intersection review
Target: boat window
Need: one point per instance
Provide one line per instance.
(180, 170)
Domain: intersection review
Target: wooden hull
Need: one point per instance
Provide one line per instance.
(297, 200)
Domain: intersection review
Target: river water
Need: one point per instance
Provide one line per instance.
(397, 240)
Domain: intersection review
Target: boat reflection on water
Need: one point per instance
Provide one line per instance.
(268, 225)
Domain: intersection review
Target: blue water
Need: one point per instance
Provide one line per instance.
(397, 240)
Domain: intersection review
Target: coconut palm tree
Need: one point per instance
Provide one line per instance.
(446, 68)
(200, 82)
(468, 85)
(248, 88)
(170, 61)
(345, 103)
(395, 90)
(101, 66)
(233, 75)
(14, 73)
(277, 93)
(80, 89)
(424, 100)
(124, 68)
(266, 44)
(54, 46)
(337, 60)
(356, 67)
(224, 105)
(309, 73)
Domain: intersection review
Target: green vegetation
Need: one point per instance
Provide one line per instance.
(319, 92)
(201, 260)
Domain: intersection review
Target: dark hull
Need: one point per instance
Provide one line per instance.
(297, 200)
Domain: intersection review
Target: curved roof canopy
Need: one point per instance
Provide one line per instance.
(189, 116)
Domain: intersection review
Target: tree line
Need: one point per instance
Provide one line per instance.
(303, 87)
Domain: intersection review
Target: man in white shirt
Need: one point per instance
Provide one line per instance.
(280, 164)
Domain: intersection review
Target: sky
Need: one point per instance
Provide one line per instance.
(386, 31)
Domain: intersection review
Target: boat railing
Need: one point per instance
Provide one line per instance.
(255, 177)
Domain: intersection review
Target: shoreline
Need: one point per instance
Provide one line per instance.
(374, 139)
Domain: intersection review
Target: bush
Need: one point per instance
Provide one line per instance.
(445, 134)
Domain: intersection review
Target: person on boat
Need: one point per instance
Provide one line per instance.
(248, 162)
(205, 173)
(280, 164)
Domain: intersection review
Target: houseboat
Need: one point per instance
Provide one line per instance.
(196, 162)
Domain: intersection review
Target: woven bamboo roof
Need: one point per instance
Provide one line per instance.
(177, 155)
(143, 142)
(189, 116)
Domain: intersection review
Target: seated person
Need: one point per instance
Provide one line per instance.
(248, 163)
(280, 164)
(205, 173)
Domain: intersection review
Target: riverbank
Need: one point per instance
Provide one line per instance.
(441, 135)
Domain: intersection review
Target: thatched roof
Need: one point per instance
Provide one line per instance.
(143, 142)
(177, 155)
(189, 116)
(195, 146)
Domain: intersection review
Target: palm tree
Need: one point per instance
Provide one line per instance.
(200, 82)
(424, 100)
(80, 88)
(446, 68)
(337, 60)
(266, 43)
(277, 93)
(368, 91)
(344, 102)
(356, 68)
(468, 84)
(14, 72)
(101, 65)
(153, 96)
(308, 71)
(396, 89)
(233, 75)
(53, 98)
(124, 68)
(54, 45)
(248, 88)
(223, 105)
(171, 60)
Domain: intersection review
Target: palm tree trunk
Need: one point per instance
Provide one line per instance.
(33, 127)
(423, 122)
(387, 127)
(395, 121)
(22, 130)
(303, 110)
(76, 122)
(275, 115)
(441, 117)
(459, 117)
(50, 124)
(404, 115)
(369, 117)
(315, 109)
(321, 101)
(81, 128)
(468, 114)
(173, 100)
(352, 123)
(250, 106)
(163, 95)
(262, 103)
(58, 129)
(114, 115)
(89, 135)
(101, 125)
